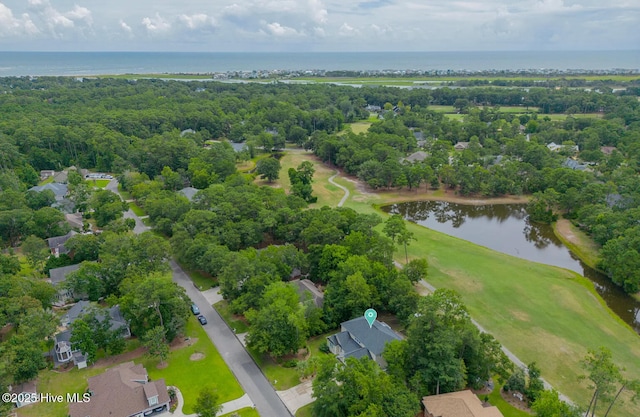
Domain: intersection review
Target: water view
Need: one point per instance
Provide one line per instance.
(506, 228)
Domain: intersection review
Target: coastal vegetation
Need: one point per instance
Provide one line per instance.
(252, 239)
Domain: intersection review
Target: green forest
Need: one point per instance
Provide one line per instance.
(158, 137)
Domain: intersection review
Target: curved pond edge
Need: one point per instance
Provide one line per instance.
(579, 278)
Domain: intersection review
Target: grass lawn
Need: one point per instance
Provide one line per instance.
(136, 209)
(47, 181)
(563, 116)
(505, 408)
(287, 377)
(191, 376)
(453, 116)
(359, 127)
(243, 412)
(201, 281)
(235, 322)
(98, 183)
(441, 108)
(578, 242)
(306, 411)
(325, 191)
(56, 383)
(124, 194)
(541, 313)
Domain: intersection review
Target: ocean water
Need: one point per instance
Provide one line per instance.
(93, 63)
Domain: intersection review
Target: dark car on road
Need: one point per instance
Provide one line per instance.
(202, 319)
(195, 310)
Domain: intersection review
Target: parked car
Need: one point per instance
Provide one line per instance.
(195, 310)
(202, 319)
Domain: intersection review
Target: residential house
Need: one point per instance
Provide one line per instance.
(59, 190)
(554, 147)
(63, 349)
(46, 173)
(27, 393)
(56, 243)
(573, 164)
(61, 177)
(74, 220)
(57, 277)
(357, 339)
(415, 157)
(189, 192)
(305, 287)
(420, 139)
(457, 404)
(123, 391)
(461, 146)
(373, 108)
(187, 132)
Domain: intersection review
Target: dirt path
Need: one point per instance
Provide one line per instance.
(564, 228)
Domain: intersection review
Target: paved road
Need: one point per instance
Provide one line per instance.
(346, 191)
(251, 379)
(241, 364)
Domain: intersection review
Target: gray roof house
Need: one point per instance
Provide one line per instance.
(29, 393)
(188, 192)
(460, 146)
(305, 286)
(416, 157)
(56, 243)
(63, 350)
(573, 164)
(59, 190)
(356, 340)
(58, 276)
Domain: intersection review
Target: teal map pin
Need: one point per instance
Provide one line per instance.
(370, 315)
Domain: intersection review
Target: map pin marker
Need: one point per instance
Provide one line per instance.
(370, 315)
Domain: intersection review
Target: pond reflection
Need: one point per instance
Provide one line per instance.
(506, 228)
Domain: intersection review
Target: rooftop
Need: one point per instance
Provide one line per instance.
(457, 404)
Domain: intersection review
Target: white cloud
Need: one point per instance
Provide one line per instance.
(12, 26)
(277, 29)
(197, 21)
(329, 25)
(156, 24)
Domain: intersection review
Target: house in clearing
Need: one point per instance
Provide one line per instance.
(123, 391)
(608, 150)
(457, 404)
(356, 340)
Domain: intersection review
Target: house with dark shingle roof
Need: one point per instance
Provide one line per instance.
(123, 391)
(57, 277)
(356, 340)
(59, 190)
(56, 243)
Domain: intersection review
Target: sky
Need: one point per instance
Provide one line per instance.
(318, 25)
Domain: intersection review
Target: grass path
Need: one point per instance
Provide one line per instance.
(540, 313)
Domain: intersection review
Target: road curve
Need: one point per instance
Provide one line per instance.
(346, 191)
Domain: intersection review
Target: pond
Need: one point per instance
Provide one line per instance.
(506, 228)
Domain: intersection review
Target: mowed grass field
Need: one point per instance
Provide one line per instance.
(326, 192)
(189, 376)
(541, 313)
